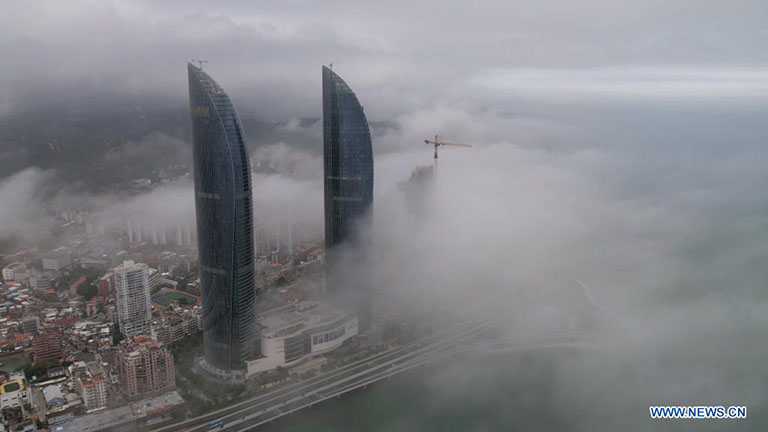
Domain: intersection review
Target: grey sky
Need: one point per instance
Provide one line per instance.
(619, 142)
(402, 54)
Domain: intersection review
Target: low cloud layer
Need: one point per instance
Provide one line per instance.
(666, 238)
(23, 214)
(617, 164)
(662, 232)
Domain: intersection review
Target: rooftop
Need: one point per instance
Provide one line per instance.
(297, 317)
(116, 416)
(12, 386)
(138, 343)
(52, 392)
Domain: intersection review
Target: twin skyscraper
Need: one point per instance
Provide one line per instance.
(223, 202)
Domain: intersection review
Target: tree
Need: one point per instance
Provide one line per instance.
(39, 369)
(116, 335)
(282, 372)
(88, 291)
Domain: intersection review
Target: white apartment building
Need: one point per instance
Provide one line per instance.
(93, 390)
(133, 303)
(15, 272)
(57, 259)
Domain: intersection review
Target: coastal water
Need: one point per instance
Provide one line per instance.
(480, 393)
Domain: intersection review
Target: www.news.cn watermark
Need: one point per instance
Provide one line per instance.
(698, 412)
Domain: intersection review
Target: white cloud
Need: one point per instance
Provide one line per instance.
(629, 82)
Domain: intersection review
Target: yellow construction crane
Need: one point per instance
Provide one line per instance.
(437, 143)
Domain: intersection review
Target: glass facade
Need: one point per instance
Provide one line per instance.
(223, 202)
(297, 347)
(348, 158)
(329, 336)
(348, 172)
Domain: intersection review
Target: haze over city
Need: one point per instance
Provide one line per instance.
(598, 250)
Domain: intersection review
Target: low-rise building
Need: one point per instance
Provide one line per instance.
(128, 417)
(14, 392)
(54, 397)
(58, 259)
(177, 325)
(74, 286)
(294, 333)
(60, 406)
(30, 324)
(16, 271)
(107, 284)
(90, 336)
(42, 281)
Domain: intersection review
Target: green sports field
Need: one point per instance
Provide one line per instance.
(165, 298)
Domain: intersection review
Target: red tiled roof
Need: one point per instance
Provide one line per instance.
(66, 321)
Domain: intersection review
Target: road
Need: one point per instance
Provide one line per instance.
(289, 394)
(256, 416)
(271, 406)
(461, 338)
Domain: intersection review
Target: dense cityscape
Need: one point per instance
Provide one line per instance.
(305, 216)
(101, 333)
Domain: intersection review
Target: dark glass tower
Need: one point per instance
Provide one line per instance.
(348, 164)
(223, 203)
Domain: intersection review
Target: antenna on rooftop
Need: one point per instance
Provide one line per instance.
(330, 65)
(199, 63)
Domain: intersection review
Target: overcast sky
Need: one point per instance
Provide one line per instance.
(618, 142)
(401, 54)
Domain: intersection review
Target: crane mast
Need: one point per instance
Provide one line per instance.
(437, 143)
